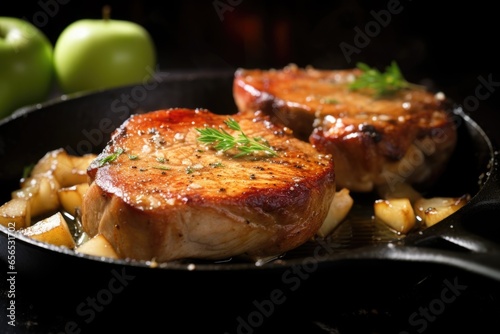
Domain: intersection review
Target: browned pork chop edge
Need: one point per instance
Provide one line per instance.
(406, 137)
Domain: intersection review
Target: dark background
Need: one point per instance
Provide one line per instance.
(446, 45)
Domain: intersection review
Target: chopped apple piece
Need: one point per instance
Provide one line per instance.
(15, 213)
(57, 163)
(67, 169)
(41, 192)
(397, 213)
(53, 230)
(398, 190)
(433, 210)
(97, 246)
(81, 163)
(340, 207)
(71, 197)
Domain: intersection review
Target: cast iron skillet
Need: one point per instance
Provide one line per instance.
(468, 240)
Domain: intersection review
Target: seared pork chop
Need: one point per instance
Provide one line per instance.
(374, 140)
(158, 193)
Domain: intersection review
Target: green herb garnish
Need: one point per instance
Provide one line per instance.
(112, 157)
(161, 167)
(381, 83)
(27, 170)
(222, 140)
(216, 164)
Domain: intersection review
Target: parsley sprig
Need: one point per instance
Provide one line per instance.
(220, 139)
(381, 83)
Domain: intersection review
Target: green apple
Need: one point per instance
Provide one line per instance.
(26, 68)
(93, 54)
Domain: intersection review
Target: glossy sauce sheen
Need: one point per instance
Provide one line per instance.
(371, 139)
(169, 196)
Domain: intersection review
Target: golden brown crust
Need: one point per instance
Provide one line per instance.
(168, 196)
(368, 137)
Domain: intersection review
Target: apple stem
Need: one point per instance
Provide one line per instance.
(106, 12)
